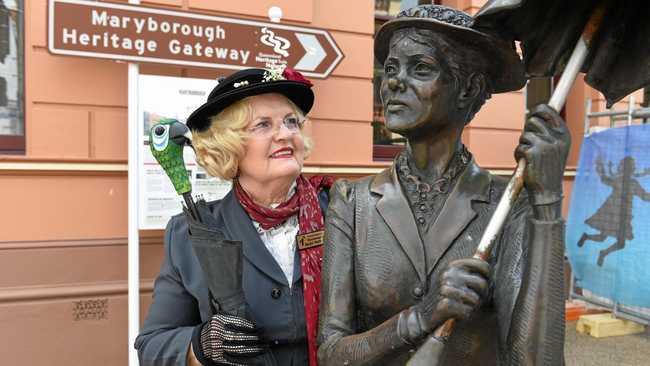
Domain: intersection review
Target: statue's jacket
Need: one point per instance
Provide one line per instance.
(376, 264)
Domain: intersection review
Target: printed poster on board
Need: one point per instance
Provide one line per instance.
(608, 236)
(170, 97)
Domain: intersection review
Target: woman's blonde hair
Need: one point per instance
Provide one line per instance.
(220, 148)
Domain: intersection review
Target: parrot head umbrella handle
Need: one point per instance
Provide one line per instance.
(167, 139)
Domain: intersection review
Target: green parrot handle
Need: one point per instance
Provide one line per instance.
(167, 139)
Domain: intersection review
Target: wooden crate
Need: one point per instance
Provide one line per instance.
(606, 325)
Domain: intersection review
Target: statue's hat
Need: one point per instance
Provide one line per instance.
(503, 65)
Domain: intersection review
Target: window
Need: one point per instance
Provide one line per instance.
(386, 145)
(12, 121)
(540, 90)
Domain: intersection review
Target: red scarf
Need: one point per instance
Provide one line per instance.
(310, 226)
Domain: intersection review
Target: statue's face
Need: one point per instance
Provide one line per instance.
(416, 92)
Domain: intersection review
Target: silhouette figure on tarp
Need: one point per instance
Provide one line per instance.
(614, 217)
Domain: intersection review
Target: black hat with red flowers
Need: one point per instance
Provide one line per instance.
(249, 82)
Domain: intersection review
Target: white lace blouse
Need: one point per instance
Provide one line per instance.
(281, 241)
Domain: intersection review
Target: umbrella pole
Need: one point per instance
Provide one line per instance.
(569, 75)
(576, 60)
(430, 352)
(191, 206)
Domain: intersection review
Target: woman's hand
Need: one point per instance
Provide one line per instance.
(226, 340)
(544, 144)
(463, 287)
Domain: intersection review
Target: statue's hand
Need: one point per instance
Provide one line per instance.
(463, 286)
(545, 144)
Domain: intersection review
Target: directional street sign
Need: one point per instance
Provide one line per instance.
(146, 34)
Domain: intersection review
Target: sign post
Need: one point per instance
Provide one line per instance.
(145, 34)
(134, 134)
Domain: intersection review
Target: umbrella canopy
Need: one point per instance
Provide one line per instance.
(618, 61)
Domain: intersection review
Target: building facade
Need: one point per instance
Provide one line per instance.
(63, 168)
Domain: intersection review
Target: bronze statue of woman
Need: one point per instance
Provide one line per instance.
(398, 248)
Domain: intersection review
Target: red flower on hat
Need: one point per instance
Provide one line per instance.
(293, 75)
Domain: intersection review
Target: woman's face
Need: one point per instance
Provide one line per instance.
(275, 148)
(416, 92)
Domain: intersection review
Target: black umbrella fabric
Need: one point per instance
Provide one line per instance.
(618, 61)
(220, 260)
(222, 263)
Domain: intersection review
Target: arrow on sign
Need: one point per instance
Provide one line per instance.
(315, 53)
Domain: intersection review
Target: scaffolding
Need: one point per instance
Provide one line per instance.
(627, 116)
(618, 118)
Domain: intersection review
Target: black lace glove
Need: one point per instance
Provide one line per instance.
(463, 286)
(227, 340)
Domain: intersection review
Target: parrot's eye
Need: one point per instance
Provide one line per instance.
(160, 137)
(159, 130)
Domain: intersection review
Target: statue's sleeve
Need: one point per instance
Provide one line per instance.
(529, 290)
(338, 342)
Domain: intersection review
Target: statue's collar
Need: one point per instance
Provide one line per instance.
(457, 212)
(474, 182)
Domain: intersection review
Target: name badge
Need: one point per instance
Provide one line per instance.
(310, 240)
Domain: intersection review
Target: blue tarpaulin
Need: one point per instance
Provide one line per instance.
(608, 228)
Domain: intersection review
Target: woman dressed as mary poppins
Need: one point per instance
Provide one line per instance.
(398, 248)
(250, 130)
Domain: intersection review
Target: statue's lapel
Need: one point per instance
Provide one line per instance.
(457, 213)
(394, 208)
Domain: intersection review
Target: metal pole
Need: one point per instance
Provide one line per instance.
(609, 113)
(630, 109)
(134, 136)
(620, 312)
(642, 113)
(587, 115)
(645, 103)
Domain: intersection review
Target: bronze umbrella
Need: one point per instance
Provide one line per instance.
(606, 39)
(617, 36)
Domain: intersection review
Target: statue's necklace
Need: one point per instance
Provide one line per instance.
(422, 194)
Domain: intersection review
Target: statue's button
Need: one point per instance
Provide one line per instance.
(421, 220)
(423, 207)
(418, 292)
(275, 293)
(423, 195)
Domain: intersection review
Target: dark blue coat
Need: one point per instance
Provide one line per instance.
(181, 300)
